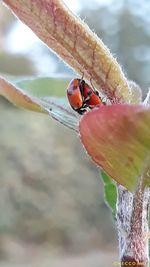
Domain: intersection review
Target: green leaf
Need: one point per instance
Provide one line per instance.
(43, 86)
(36, 95)
(110, 192)
(117, 137)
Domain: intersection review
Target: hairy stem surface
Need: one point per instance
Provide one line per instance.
(132, 220)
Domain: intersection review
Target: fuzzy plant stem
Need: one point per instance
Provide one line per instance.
(132, 221)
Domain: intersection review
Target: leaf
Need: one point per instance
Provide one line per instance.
(57, 107)
(73, 41)
(43, 86)
(110, 192)
(117, 138)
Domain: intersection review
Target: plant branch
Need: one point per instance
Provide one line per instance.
(132, 219)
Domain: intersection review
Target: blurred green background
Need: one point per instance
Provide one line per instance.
(51, 195)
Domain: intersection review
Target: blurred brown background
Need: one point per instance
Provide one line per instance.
(51, 195)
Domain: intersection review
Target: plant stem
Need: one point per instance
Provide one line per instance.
(132, 221)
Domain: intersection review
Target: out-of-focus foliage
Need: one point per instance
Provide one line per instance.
(11, 63)
(110, 192)
(49, 190)
(16, 65)
(6, 20)
(124, 28)
(39, 86)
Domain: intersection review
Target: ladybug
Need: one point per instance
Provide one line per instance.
(92, 97)
(81, 96)
(75, 95)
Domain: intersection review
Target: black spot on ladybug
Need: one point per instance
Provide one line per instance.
(89, 93)
(69, 93)
(74, 87)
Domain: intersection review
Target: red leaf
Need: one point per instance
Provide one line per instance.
(117, 138)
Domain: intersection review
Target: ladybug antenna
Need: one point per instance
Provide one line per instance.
(82, 76)
(92, 85)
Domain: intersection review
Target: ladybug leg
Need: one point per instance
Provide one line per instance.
(85, 105)
(81, 111)
(82, 76)
(96, 92)
(91, 106)
(97, 106)
(93, 86)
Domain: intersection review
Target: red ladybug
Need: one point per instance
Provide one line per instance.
(91, 97)
(75, 95)
(81, 96)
